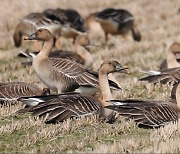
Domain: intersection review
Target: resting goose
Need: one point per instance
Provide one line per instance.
(62, 75)
(171, 60)
(150, 114)
(169, 69)
(80, 55)
(32, 23)
(57, 108)
(117, 22)
(14, 90)
(171, 75)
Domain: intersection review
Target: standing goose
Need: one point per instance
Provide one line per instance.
(32, 23)
(80, 55)
(117, 22)
(14, 90)
(62, 75)
(171, 60)
(57, 108)
(150, 114)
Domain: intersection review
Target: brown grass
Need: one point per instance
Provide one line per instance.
(159, 24)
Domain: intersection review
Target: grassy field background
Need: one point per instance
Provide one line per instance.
(159, 24)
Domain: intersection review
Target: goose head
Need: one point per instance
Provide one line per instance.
(175, 48)
(111, 67)
(41, 35)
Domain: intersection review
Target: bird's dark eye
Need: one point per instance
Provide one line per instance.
(40, 30)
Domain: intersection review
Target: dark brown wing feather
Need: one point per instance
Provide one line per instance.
(65, 106)
(171, 75)
(146, 113)
(77, 73)
(15, 90)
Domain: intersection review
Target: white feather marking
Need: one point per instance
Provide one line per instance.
(31, 101)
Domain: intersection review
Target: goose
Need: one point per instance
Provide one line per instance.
(30, 23)
(149, 114)
(169, 69)
(171, 60)
(63, 75)
(81, 53)
(13, 90)
(57, 108)
(117, 22)
(73, 23)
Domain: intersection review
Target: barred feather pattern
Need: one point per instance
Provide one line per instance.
(147, 113)
(75, 75)
(14, 90)
(171, 75)
(64, 106)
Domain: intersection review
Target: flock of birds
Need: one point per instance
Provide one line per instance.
(80, 90)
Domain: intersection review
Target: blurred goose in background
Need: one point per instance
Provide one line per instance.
(169, 70)
(73, 23)
(14, 90)
(171, 60)
(81, 53)
(57, 108)
(32, 23)
(150, 114)
(117, 22)
(63, 75)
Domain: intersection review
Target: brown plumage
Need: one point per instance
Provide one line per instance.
(59, 74)
(117, 22)
(150, 114)
(171, 75)
(57, 108)
(30, 23)
(14, 90)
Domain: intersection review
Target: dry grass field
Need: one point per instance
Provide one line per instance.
(159, 23)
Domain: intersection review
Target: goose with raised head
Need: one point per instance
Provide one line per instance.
(31, 23)
(81, 53)
(149, 114)
(117, 22)
(14, 90)
(171, 61)
(63, 75)
(57, 108)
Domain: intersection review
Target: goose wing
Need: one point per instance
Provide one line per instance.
(117, 15)
(146, 113)
(164, 76)
(14, 90)
(63, 106)
(39, 20)
(77, 73)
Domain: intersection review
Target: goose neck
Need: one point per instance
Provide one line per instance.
(47, 48)
(105, 93)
